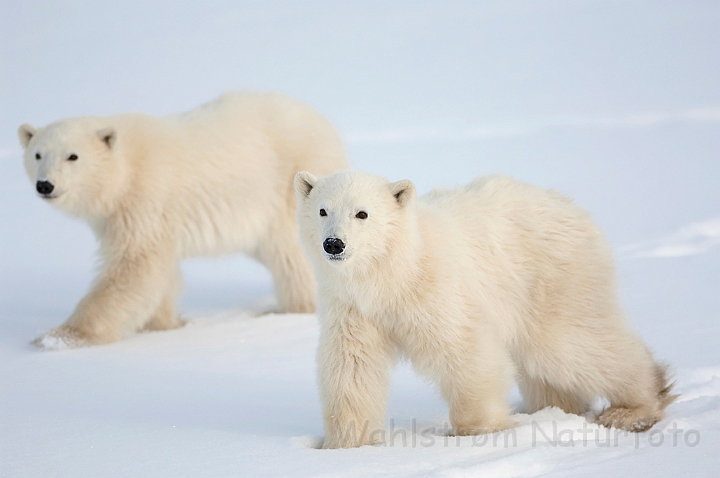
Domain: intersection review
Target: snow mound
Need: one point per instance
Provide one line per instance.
(690, 240)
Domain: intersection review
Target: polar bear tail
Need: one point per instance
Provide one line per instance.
(664, 385)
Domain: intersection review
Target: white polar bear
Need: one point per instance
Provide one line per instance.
(215, 180)
(474, 285)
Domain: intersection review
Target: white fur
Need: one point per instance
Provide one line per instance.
(476, 286)
(214, 180)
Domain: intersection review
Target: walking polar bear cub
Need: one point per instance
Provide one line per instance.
(474, 285)
(214, 180)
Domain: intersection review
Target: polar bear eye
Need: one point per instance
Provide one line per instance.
(37, 155)
(361, 215)
(72, 157)
(323, 213)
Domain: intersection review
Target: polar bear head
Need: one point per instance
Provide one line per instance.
(352, 219)
(74, 164)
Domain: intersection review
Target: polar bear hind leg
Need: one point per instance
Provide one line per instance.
(570, 374)
(291, 271)
(538, 394)
(637, 408)
(165, 318)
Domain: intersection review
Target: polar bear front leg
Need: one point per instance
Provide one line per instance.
(353, 374)
(475, 377)
(127, 293)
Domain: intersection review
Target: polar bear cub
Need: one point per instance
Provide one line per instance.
(474, 285)
(214, 180)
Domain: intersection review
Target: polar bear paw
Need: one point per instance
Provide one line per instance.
(59, 339)
(631, 419)
(473, 431)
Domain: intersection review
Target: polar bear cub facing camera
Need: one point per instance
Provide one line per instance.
(475, 286)
(214, 180)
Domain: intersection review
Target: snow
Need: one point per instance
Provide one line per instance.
(48, 342)
(695, 238)
(615, 104)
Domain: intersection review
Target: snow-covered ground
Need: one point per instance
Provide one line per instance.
(614, 103)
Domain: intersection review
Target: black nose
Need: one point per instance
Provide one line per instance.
(44, 187)
(333, 245)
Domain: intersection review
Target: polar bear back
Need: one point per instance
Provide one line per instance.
(222, 173)
(516, 214)
(522, 247)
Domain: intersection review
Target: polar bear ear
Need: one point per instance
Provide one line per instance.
(403, 191)
(25, 133)
(108, 136)
(304, 182)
